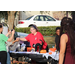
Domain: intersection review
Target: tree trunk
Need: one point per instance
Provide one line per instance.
(11, 18)
(73, 16)
(67, 13)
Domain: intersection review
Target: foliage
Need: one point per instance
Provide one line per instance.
(45, 31)
(4, 14)
(44, 12)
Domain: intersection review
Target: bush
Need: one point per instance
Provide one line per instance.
(45, 31)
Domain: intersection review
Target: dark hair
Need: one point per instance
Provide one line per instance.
(34, 26)
(0, 25)
(57, 28)
(67, 25)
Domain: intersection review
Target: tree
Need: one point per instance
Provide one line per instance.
(10, 16)
(72, 14)
(45, 12)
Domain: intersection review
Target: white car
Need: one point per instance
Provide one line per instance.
(38, 20)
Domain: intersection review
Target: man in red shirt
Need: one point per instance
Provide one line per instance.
(35, 37)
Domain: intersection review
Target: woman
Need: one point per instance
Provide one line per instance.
(57, 36)
(3, 39)
(67, 42)
(35, 37)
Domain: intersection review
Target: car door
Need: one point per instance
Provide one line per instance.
(39, 20)
(50, 21)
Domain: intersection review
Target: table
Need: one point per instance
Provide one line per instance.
(38, 57)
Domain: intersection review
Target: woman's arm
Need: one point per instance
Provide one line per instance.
(22, 39)
(63, 41)
(27, 38)
(11, 38)
(8, 33)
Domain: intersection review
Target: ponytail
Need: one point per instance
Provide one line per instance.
(67, 25)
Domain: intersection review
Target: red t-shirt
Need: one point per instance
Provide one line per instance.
(34, 39)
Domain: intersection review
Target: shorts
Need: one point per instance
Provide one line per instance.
(3, 57)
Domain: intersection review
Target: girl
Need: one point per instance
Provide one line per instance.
(67, 42)
(3, 39)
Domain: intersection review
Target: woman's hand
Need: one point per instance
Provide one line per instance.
(22, 39)
(12, 36)
(9, 33)
(17, 39)
(13, 32)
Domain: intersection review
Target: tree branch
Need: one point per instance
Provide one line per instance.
(15, 12)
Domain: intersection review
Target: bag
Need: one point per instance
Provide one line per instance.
(14, 46)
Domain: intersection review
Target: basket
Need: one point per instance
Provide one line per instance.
(53, 49)
(50, 52)
(29, 49)
(43, 51)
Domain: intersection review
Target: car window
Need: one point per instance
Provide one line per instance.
(36, 18)
(39, 18)
(28, 18)
(48, 18)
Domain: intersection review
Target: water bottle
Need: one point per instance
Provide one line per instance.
(52, 46)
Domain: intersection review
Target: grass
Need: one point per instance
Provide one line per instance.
(50, 40)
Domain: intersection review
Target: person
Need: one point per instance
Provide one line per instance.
(67, 42)
(35, 37)
(57, 36)
(3, 39)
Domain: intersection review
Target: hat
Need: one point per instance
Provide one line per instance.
(34, 26)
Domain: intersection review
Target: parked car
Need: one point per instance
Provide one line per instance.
(38, 20)
(20, 34)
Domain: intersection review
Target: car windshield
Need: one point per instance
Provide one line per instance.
(28, 18)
